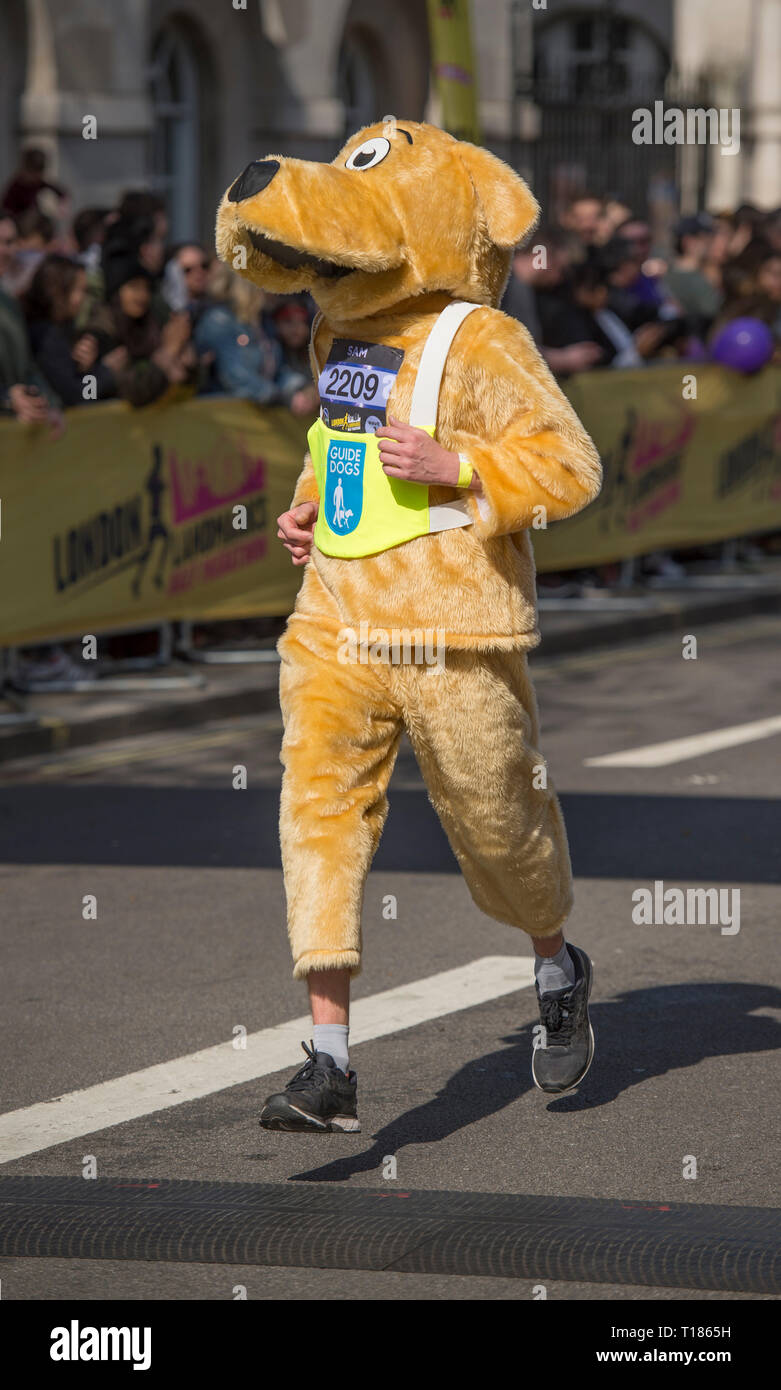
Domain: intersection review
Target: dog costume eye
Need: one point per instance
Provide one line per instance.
(368, 154)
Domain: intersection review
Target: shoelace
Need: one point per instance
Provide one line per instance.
(558, 1018)
(308, 1072)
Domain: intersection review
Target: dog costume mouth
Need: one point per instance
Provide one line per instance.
(292, 259)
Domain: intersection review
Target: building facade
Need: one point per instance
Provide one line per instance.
(183, 93)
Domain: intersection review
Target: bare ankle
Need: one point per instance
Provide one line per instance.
(329, 995)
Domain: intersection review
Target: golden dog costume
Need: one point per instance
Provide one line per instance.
(405, 222)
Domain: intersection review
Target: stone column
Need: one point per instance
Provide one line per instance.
(764, 185)
(71, 52)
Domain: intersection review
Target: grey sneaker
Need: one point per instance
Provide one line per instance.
(319, 1098)
(567, 1046)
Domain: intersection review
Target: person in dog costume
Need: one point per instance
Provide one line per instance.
(442, 438)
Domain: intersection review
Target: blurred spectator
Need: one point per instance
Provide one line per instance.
(24, 393)
(582, 317)
(7, 246)
(645, 287)
(157, 356)
(137, 231)
(537, 294)
(142, 224)
(246, 361)
(771, 229)
(28, 182)
(718, 251)
(746, 223)
(614, 214)
(583, 217)
(619, 257)
(753, 285)
(769, 286)
(64, 354)
(594, 314)
(186, 279)
(685, 281)
(35, 238)
(292, 321)
(9, 239)
(537, 268)
(89, 234)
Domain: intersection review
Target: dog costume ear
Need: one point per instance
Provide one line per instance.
(508, 206)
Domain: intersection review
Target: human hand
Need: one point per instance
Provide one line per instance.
(175, 332)
(295, 530)
(85, 350)
(578, 357)
(56, 424)
(410, 453)
(116, 360)
(28, 405)
(305, 401)
(649, 336)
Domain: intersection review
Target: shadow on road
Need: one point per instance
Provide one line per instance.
(640, 1034)
(710, 839)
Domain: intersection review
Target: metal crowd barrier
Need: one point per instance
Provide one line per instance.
(109, 674)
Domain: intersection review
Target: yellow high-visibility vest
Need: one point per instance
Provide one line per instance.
(362, 511)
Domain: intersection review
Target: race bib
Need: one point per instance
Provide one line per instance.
(355, 384)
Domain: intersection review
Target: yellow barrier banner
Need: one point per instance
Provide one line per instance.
(453, 64)
(138, 516)
(679, 468)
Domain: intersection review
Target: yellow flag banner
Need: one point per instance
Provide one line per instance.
(689, 455)
(453, 64)
(139, 516)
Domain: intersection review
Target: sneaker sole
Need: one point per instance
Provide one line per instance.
(295, 1121)
(562, 1090)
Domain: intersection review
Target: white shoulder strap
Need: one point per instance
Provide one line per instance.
(316, 321)
(425, 396)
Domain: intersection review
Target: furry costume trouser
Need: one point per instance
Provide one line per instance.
(473, 725)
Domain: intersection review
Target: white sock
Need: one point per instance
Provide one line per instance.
(332, 1038)
(554, 972)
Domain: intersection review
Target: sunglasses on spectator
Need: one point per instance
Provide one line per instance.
(199, 265)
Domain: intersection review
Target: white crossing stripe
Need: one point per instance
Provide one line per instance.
(677, 750)
(40, 1126)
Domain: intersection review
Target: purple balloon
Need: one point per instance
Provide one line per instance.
(745, 345)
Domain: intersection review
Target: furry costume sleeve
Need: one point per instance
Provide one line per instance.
(306, 485)
(523, 438)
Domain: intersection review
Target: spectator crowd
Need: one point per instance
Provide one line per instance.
(594, 291)
(100, 306)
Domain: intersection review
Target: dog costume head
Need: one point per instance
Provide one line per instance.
(403, 210)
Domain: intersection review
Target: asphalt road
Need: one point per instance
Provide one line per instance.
(190, 943)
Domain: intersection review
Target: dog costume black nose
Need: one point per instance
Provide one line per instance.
(255, 178)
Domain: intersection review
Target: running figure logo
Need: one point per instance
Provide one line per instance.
(344, 484)
(157, 529)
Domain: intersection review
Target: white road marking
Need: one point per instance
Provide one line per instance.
(677, 750)
(40, 1126)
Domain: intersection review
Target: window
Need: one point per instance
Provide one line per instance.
(175, 81)
(597, 57)
(357, 80)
